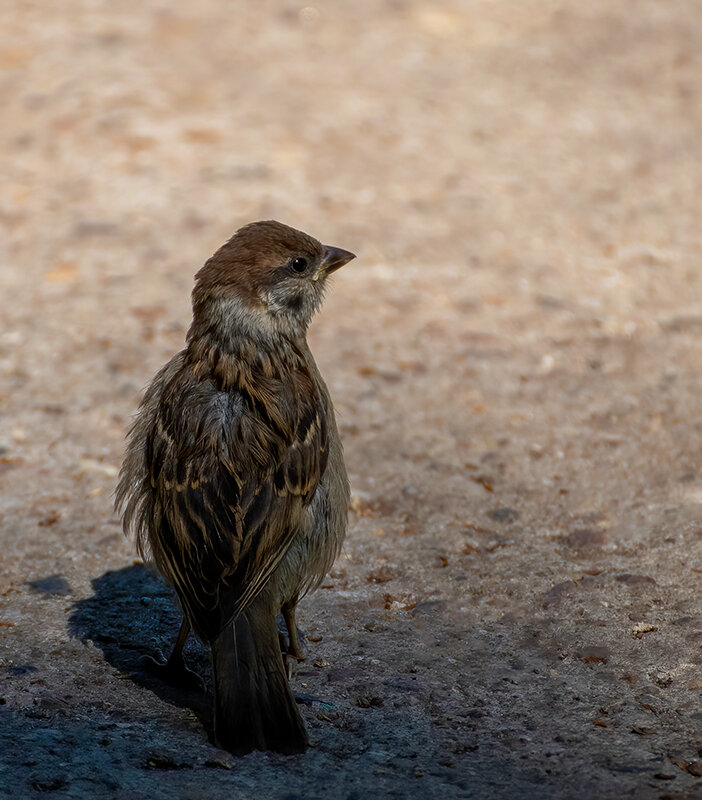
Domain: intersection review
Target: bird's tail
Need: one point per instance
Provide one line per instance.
(254, 707)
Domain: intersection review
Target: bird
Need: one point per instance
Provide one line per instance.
(233, 481)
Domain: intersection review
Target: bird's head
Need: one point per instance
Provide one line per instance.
(268, 278)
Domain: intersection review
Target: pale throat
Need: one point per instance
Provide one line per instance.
(231, 319)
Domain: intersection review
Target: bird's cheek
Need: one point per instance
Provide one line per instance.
(296, 302)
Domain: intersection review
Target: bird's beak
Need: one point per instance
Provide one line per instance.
(334, 257)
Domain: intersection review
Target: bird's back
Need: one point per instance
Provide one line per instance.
(223, 460)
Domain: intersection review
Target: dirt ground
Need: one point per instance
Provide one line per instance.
(515, 357)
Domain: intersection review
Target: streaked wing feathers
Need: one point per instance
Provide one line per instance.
(231, 472)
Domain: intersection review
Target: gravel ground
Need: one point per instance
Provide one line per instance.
(515, 360)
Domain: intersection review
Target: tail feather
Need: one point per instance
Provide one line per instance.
(254, 707)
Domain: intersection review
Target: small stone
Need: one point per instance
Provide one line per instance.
(487, 482)
(382, 574)
(504, 514)
(373, 626)
(585, 538)
(649, 702)
(367, 699)
(428, 607)
(51, 519)
(594, 655)
(629, 579)
(165, 762)
(641, 628)
(51, 703)
(694, 768)
(662, 678)
(218, 763)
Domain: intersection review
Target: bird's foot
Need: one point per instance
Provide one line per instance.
(291, 640)
(293, 653)
(291, 645)
(295, 648)
(291, 661)
(174, 672)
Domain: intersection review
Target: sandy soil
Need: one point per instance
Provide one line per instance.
(515, 358)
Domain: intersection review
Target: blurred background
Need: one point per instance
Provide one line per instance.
(514, 357)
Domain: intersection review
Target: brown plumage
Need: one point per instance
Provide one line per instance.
(234, 480)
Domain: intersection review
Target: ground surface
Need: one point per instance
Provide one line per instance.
(516, 359)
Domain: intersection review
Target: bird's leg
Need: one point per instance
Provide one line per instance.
(175, 660)
(293, 652)
(174, 670)
(294, 648)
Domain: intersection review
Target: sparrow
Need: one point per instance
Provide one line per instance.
(234, 483)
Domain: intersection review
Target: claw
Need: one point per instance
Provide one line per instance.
(294, 647)
(291, 661)
(175, 673)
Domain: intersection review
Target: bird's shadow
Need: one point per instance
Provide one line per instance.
(133, 615)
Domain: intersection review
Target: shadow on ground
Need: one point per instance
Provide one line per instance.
(133, 616)
(424, 702)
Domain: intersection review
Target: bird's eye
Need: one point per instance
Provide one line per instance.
(298, 264)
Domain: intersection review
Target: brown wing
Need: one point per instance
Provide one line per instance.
(231, 473)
